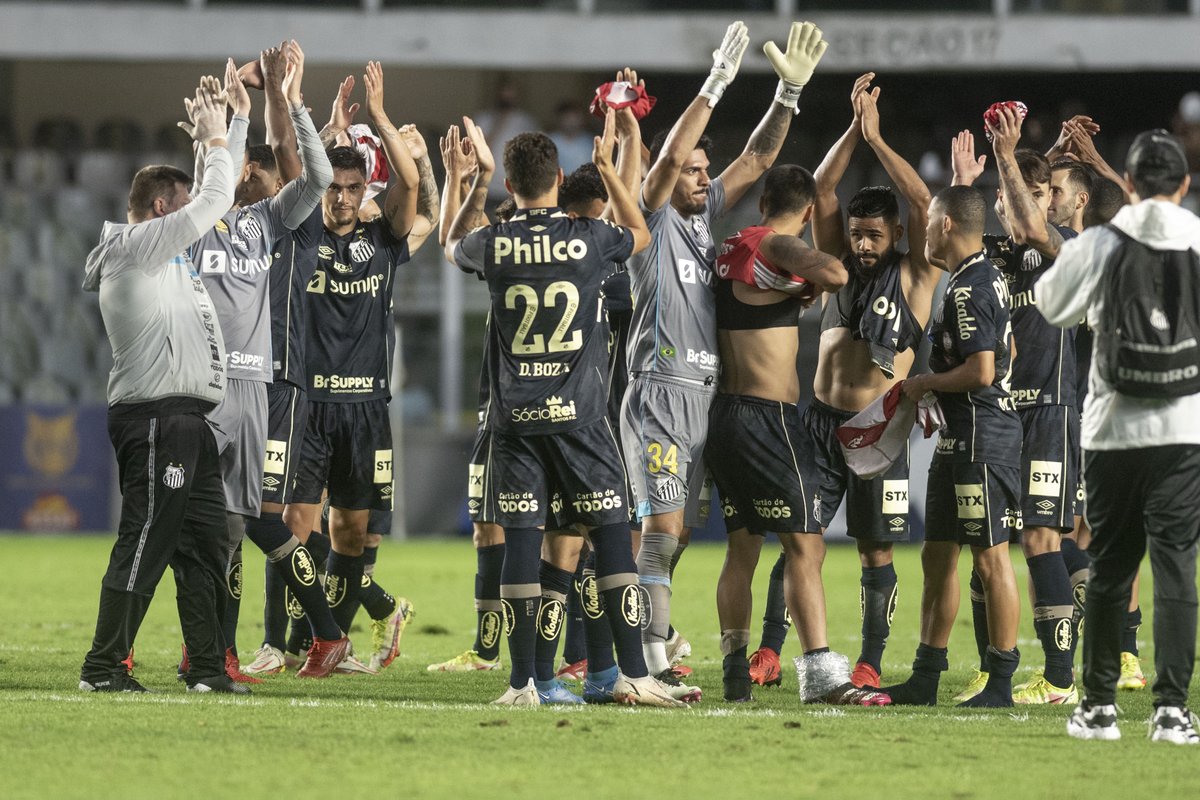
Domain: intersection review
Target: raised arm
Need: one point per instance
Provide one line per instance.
(629, 139)
(1083, 146)
(400, 205)
(1026, 222)
(792, 254)
(428, 199)
(273, 62)
(795, 68)
(239, 127)
(967, 168)
(681, 141)
(907, 181)
(829, 230)
(625, 210)
(342, 114)
(1063, 146)
(472, 207)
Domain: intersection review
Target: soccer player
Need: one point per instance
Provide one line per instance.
(759, 454)
(1142, 462)
(168, 372)
(1043, 389)
(870, 331)
(673, 358)
(350, 337)
(546, 352)
(974, 484)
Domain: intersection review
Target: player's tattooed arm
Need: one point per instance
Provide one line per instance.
(792, 254)
(400, 204)
(828, 227)
(472, 208)
(624, 208)
(1026, 222)
(428, 199)
(342, 115)
(911, 187)
(762, 148)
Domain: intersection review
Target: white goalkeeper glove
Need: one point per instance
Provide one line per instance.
(726, 60)
(795, 67)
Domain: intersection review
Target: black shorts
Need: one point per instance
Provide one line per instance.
(1049, 466)
(287, 417)
(521, 475)
(378, 522)
(347, 447)
(764, 464)
(479, 505)
(876, 509)
(972, 503)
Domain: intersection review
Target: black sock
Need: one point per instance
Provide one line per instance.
(300, 639)
(625, 607)
(373, 597)
(735, 668)
(1078, 569)
(233, 600)
(552, 612)
(574, 640)
(520, 593)
(997, 692)
(979, 619)
(1133, 621)
(775, 618)
(319, 545)
(596, 627)
(922, 687)
(1052, 611)
(275, 612)
(343, 584)
(489, 616)
(878, 600)
(296, 566)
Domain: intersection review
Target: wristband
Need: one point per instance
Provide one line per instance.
(713, 88)
(788, 95)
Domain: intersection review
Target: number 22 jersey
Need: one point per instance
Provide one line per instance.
(547, 348)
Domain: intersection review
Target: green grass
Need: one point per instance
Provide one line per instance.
(416, 734)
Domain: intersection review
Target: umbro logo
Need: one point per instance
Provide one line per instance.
(973, 527)
(896, 522)
(1046, 506)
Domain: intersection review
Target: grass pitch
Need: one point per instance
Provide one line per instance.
(411, 733)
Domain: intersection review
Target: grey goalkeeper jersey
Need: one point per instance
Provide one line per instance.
(674, 326)
(160, 321)
(234, 256)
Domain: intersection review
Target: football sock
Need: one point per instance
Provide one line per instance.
(294, 565)
(520, 593)
(574, 640)
(1052, 611)
(654, 576)
(343, 584)
(979, 619)
(617, 582)
(1078, 568)
(997, 693)
(378, 603)
(775, 618)
(319, 545)
(596, 628)
(489, 620)
(233, 600)
(878, 602)
(1133, 621)
(552, 612)
(678, 554)
(275, 612)
(735, 666)
(922, 687)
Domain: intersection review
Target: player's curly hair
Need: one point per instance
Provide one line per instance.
(347, 158)
(264, 156)
(874, 201)
(582, 188)
(531, 164)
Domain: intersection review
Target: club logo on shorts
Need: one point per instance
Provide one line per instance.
(817, 508)
(335, 590)
(550, 619)
(1062, 634)
(489, 629)
(303, 567)
(361, 251)
(669, 487)
(1045, 478)
(173, 476)
(294, 609)
(383, 466)
(510, 616)
(970, 500)
(590, 592)
(895, 497)
(233, 581)
(276, 458)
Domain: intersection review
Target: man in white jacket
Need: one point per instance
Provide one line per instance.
(1141, 459)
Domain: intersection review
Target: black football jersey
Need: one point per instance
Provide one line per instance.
(292, 268)
(618, 306)
(547, 350)
(351, 336)
(1043, 372)
(973, 317)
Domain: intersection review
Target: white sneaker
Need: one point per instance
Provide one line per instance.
(678, 648)
(352, 666)
(646, 691)
(527, 696)
(386, 632)
(1174, 724)
(1097, 722)
(268, 660)
(678, 689)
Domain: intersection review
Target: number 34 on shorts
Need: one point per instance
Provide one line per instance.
(659, 459)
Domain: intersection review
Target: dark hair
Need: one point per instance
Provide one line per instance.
(965, 206)
(151, 183)
(1079, 175)
(347, 158)
(531, 164)
(787, 189)
(264, 156)
(1034, 167)
(874, 201)
(1157, 163)
(582, 188)
(1105, 201)
(703, 143)
(506, 209)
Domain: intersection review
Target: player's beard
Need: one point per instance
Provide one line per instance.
(869, 268)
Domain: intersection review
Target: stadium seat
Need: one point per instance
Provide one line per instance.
(103, 171)
(39, 169)
(47, 390)
(123, 135)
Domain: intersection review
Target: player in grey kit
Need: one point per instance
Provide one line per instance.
(673, 357)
